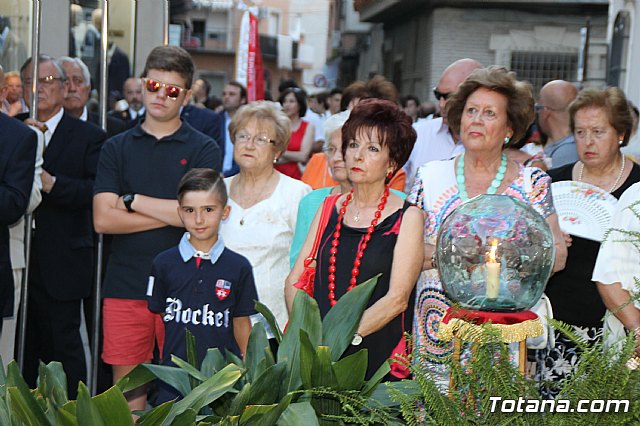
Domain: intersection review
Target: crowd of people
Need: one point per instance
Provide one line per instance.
(207, 206)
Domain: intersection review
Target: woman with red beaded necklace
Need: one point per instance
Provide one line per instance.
(371, 231)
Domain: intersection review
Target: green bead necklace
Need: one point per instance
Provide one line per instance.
(495, 184)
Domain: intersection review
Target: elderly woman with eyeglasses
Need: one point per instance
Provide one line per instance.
(264, 202)
(601, 123)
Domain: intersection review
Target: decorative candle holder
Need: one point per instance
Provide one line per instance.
(494, 253)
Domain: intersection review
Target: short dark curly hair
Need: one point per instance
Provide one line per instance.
(386, 120)
(613, 101)
(519, 94)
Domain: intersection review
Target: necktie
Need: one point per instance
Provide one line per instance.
(47, 135)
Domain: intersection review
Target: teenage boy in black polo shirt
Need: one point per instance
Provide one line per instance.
(138, 173)
(200, 285)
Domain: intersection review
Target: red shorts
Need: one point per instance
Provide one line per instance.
(130, 330)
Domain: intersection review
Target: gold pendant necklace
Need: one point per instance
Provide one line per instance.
(260, 193)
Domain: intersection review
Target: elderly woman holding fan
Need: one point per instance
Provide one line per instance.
(601, 123)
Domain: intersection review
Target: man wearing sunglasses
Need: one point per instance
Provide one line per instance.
(552, 116)
(434, 138)
(135, 199)
(203, 120)
(62, 256)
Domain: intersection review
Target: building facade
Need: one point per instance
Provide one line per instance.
(412, 42)
(624, 54)
(210, 29)
(349, 36)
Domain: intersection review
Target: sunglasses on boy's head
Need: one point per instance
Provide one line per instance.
(170, 90)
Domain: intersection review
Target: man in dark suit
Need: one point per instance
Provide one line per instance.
(62, 257)
(79, 90)
(119, 71)
(132, 107)
(204, 120)
(234, 95)
(18, 146)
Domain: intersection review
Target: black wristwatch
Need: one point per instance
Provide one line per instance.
(127, 199)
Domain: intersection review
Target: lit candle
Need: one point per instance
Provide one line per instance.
(493, 272)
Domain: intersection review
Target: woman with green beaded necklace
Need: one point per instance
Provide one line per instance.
(489, 110)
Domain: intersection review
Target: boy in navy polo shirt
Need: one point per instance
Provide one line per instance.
(135, 189)
(200, 285)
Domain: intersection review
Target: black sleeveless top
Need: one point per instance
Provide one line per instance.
(378, 258)
(574, 297)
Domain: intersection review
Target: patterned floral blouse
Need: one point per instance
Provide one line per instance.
(436, 192)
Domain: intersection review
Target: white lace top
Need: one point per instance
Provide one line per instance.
(263, 234)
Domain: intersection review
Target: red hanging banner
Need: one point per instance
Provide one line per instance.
(249, 66)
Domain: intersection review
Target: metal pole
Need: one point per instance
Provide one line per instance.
(104, 69)
(165, 29)
(586, 51)
(35, 53)
(104, 66)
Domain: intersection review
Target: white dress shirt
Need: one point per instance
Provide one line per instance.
(134, 114)
(318, 121)
(434, 142)
(85, 114)
(52, 124)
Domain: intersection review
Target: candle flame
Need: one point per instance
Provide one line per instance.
(492, 253)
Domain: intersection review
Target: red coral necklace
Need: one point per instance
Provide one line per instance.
(363, 245)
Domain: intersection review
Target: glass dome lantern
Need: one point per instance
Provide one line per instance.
(494, 253)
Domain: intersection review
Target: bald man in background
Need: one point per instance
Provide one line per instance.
(553, 120)
(435, 140)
